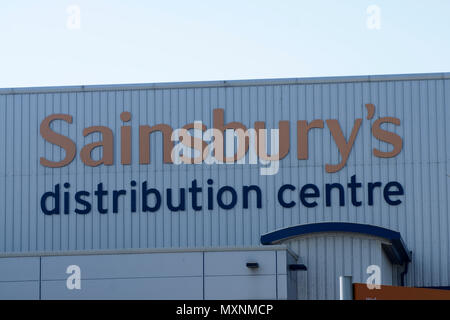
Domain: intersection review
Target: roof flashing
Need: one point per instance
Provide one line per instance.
(227, 83)
(395, 249)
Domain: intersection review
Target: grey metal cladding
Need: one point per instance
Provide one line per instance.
(419, 101)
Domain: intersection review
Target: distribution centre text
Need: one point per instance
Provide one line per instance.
(145, 198)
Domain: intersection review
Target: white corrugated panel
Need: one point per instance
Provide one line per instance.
(328, 257)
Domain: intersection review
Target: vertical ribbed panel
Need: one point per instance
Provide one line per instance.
(329, 256)
(422, 168)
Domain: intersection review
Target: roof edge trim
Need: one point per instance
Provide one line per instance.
(227, 83)
(398, 246)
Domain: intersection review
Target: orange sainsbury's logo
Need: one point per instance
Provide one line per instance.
(196, 144)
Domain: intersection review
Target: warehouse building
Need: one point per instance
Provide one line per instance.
(249, 189)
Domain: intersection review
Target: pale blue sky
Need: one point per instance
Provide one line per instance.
(165, 41)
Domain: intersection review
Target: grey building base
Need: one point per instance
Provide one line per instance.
(219, 273)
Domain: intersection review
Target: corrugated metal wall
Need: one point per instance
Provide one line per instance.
(422, 167)
(328, 256)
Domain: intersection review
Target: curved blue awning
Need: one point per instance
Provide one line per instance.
(397, 251)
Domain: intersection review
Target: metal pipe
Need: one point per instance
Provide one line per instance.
(403, 274)
(345, 288)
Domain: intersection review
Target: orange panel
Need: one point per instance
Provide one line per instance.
(362, 292)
